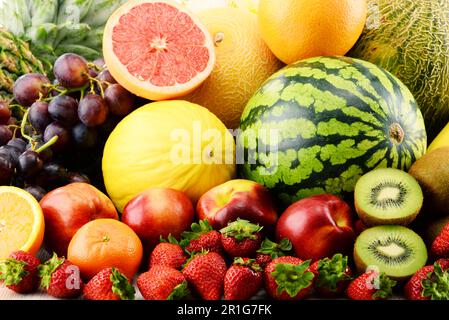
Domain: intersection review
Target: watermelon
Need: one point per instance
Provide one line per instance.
(317, 125)
(410, 38)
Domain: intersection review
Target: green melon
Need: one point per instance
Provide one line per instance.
(318, 125)
(410, 38)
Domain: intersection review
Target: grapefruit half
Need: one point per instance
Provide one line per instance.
(157, 49)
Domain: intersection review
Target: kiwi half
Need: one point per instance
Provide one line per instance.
(387, 196)
(395, 250)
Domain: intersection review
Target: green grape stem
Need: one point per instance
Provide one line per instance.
(48, 144)
(22, 127)
(14, 129)
(33, 142)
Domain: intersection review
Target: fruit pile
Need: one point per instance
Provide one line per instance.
(225, 149)
(60, 123)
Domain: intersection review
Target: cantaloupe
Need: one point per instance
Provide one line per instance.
(410, 38)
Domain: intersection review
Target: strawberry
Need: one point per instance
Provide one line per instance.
(430, 282)
(109, 284)
(332, 276)
(288, 278)
(440, 246)
(163, 283)
(60, 278)
(202, 237)
(19, 272)
(241, 238)
(205, 272)
(168, 254)
(270, 250)
(243, 279)
(371, 285)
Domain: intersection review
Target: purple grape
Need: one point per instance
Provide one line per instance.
(17, 143)
(38, 116)
(74, 94)
(55, 171)
(93, 73)
(92, 110)
(5, 112)
(71, 70)
(37, 192)
(29, 163)
(6, 170)
(64, 109)
(29, 87)
(57, 129)
(12, 154)
(46, 155)
(5, 135)
(83, 136)
(105, 75)
(120, 101)
(78, 177)
(99, 63)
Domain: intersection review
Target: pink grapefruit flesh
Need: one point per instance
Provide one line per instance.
(157, 50)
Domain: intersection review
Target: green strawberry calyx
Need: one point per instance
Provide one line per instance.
(46, 270)
(12, 271)
(292, 278)
(241, 229)
(250, 263)
(332, 271)
(385, 287)
(121, 286)
(180, 291)
(275, 250)
(436, 284)
(192, 255)
(170, 239)
(198, 229)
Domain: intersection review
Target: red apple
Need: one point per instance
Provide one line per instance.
(68, 208)
(318, 227)
(234, 199)
(158, 212)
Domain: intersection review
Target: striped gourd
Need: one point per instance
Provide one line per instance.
(410, 38)
(316, 126)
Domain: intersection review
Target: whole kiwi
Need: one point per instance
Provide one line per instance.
(432, 173)
(433, 229)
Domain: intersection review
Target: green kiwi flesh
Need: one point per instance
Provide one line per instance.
(387, 196)
(396, 250)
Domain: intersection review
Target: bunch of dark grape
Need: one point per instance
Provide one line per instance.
(54, 132)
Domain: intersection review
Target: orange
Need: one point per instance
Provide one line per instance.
(21, 222)
(105, 243)
(157, 49)
(243, 63)
(300, 29)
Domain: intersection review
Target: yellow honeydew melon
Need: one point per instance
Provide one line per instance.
(168, 144)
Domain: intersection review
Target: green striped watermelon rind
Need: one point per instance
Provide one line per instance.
(333, 116)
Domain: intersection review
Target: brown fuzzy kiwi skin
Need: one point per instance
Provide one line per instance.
(432, 173)
(433, 229)
(371, 221)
